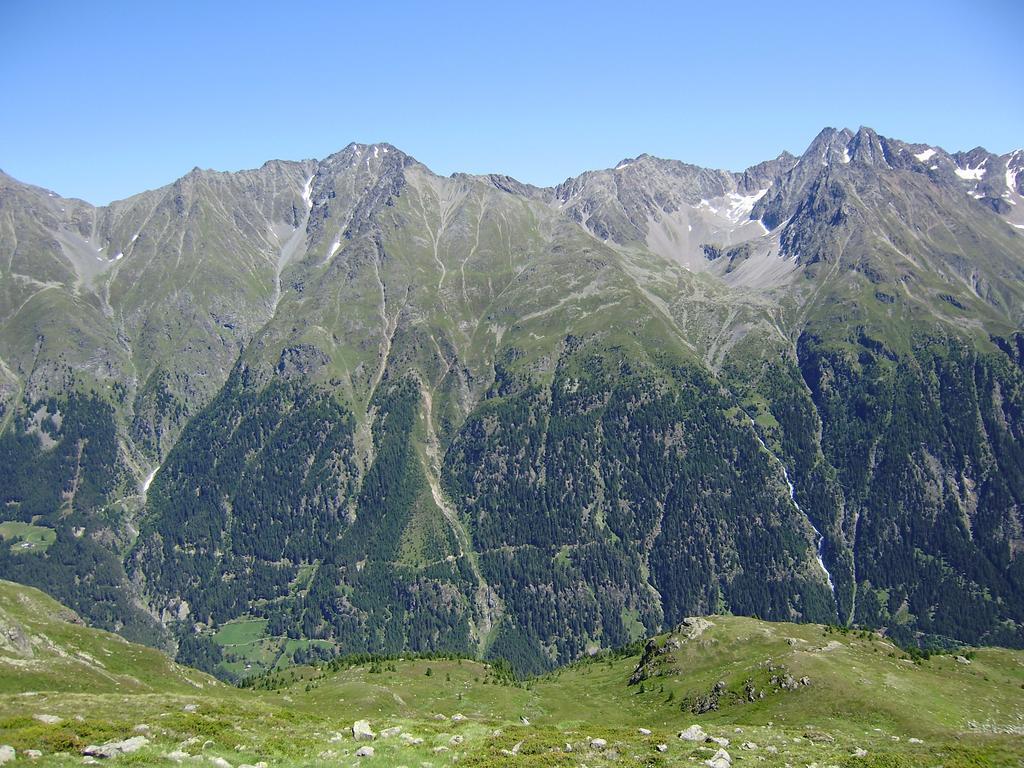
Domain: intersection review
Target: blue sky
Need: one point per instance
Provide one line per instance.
(105, 99)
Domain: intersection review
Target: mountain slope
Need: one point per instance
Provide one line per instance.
(394, 411)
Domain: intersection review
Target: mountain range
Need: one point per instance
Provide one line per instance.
(384, 410)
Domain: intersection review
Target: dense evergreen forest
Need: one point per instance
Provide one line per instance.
(603, 505)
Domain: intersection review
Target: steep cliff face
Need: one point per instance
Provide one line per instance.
(387, 410)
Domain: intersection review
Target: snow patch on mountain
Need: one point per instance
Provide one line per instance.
(740, 206)
(971, 174)
(925, 156)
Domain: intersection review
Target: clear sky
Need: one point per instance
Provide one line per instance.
(104, 99)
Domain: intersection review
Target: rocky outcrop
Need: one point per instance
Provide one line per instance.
(115, 748)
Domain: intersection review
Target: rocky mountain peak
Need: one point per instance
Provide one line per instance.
(867, 148)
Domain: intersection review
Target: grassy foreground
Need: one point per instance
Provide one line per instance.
(785, 694)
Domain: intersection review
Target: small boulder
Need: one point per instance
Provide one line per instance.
(662, 747)
(49, 719)
(719, 740)
(693, 733)
(962, 660)
(860, 752)
(412, 741)
(819, 737)
(220, 762)
(748, 745)
(7, 754)
(913, 740)
(720, 759)
(456, 740)
(387, 733)
(524, 720)
(178, 755)
(598, 743)
(141, 728)
(361, 731)
(364, 752)
(458, 717)
(644, 731)
(32, 754)
(190, 708)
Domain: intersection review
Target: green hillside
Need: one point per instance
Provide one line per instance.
(838, 698)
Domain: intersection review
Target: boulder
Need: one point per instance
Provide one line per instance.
(115, 748)
(7, 754)
(387, 733)
(962, 660)
(719, 740)
(662, 747)
(458, 717)
(220, 762)
(693, 733)
(720, 759)
(32, 754)
(644, 731)
(913, 740)
(598, 743)
(361, 731)
(749, 745)
(364, 752)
